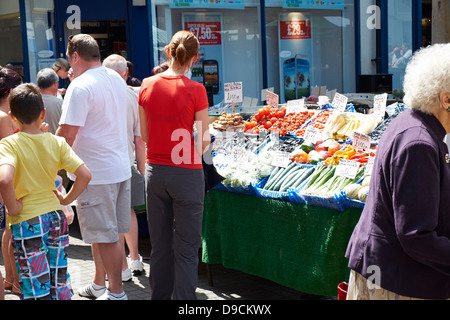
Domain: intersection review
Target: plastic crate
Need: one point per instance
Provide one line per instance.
(336, 202)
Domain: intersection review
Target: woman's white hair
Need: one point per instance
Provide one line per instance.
(426, 77)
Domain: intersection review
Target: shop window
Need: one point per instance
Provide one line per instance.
(400, 39)
(230, 45)
(305, 48)
(10, 35)
(40, 36)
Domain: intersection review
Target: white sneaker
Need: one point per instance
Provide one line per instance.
(126, 275)
(136, 266)
(109, 296)
(89, 291)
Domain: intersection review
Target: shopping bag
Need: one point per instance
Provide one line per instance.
(342, 291)
(2, 216)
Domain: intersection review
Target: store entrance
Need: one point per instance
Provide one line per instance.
(111, 36)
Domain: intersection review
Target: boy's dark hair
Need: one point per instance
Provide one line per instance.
(26, 103)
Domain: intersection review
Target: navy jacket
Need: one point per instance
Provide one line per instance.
(404, 229)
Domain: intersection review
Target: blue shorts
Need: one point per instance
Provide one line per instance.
(40, 252)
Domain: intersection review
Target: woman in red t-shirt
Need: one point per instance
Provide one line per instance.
(170, 104)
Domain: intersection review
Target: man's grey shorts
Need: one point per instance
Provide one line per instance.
(104, 211)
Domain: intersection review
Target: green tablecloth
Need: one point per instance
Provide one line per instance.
(298, 246)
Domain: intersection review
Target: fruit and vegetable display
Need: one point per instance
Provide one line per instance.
(317, 157)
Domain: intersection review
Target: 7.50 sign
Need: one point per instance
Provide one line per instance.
(207, 33)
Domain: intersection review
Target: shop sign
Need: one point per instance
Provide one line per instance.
(207, 33)
(290, 30)
(213, 4)
(313, 4)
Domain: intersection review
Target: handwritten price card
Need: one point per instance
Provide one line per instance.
(361, 141)
(347, 168)
(379, 104)
(233, 92)
(272, 99)
(295, 106)
(340, 102)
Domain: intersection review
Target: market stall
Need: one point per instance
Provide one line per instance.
(296, 181)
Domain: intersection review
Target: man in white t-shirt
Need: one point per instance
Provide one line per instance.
(94, 123)
(137, 153)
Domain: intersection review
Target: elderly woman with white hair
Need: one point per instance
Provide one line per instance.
(400, 248)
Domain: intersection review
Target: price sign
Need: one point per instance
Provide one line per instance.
(272, 99)
(340, 102)
(239, 155)
(295, 30)
(281, 159)
(369, 166)
(347, 168)
(312, 134)
(361, 141)
(379, 104)
(207, 33)
(295, 106)
(233, 92)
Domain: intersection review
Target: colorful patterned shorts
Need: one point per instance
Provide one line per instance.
(41, 259)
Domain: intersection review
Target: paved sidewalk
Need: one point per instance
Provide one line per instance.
(228, 284)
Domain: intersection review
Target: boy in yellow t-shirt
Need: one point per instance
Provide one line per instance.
(29, 162)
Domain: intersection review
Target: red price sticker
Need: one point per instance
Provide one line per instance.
(295, 30)
(207, 33)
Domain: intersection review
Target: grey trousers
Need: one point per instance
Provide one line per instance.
(174, 211)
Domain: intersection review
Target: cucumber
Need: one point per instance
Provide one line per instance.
(272, 175)
(303, 177)
(285, 178)
(287, 184)
(280, 175)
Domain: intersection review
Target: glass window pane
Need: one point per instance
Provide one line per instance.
(40, 35)
(229, 43)
(10, 36)
(305, 49)
(400, 39)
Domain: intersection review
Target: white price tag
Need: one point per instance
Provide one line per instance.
(295, 106)
(340, 102)
(281, 159)
(239, 155)
(379, 104)
(312, 134)
(369, 166)
(347, 168)
(233, 92)
(361, 141)
(272, 99)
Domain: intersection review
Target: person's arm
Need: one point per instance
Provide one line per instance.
(68, 132)
(143, 124)
(203, 137)
(139, 150)
(83, 177)
(13, 206)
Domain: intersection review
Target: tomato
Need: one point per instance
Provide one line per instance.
(280, 114)
(258, 116)
(268, 124)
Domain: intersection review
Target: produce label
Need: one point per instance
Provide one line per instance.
(295, 30)
(239, 155)
(272, 99)
(295, 106)
(379, 104)
(361, 141)
(233, 92)
(312, 134)
(369, 166)
(207, 33)
(347, 168)
(340, 102)
(281, 159)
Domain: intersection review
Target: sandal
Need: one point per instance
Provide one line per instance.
(12, 287)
